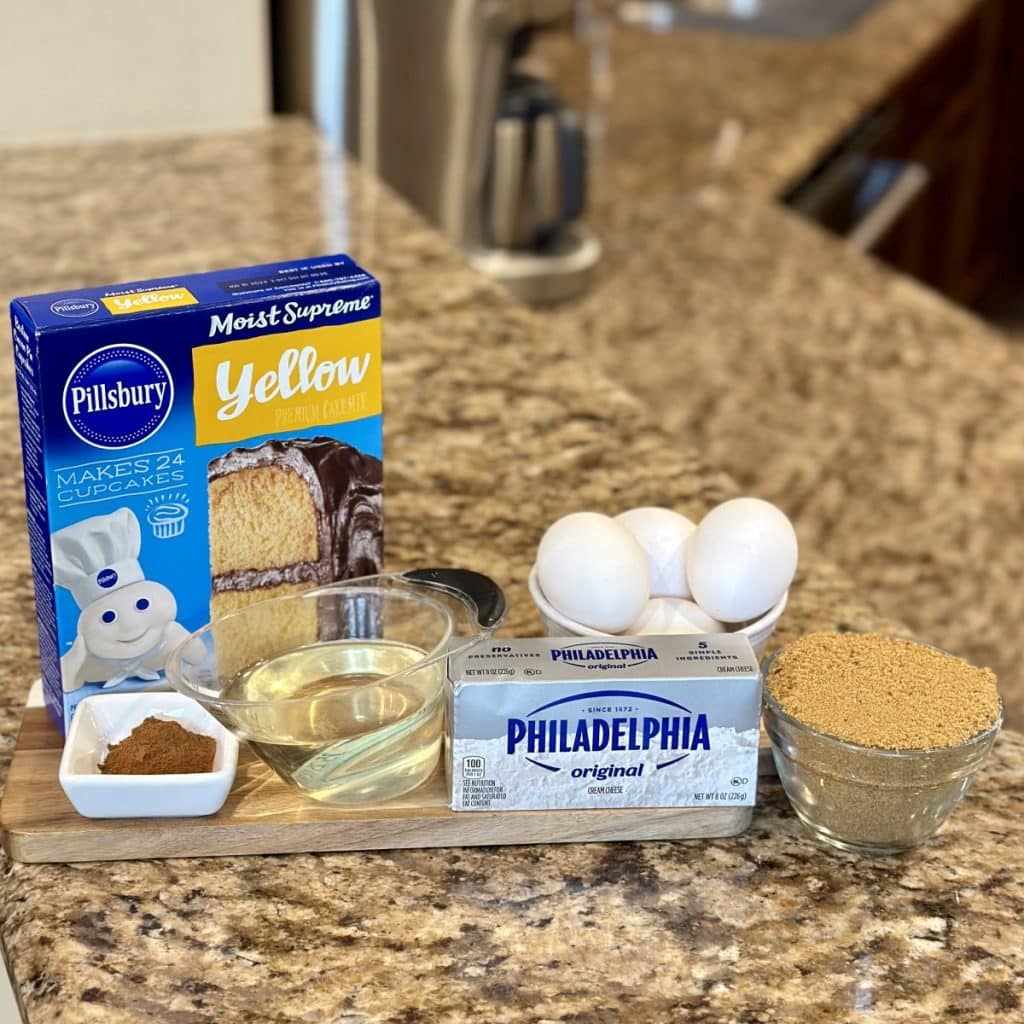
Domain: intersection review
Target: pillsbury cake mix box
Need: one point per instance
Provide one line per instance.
(191, 445)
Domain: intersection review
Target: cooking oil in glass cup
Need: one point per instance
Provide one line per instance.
(340, 690)
(349, 718)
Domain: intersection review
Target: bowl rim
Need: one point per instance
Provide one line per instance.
(771, 704)
(751, 629)
(367, 585)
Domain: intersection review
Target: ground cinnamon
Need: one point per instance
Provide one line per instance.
(160, 747)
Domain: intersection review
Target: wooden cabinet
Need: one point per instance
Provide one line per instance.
(946, 120)
(957, 120)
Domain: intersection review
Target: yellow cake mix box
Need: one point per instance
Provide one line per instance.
(193, 444)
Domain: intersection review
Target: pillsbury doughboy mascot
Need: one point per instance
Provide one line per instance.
(126, 627)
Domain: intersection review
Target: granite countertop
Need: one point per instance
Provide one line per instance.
(494, 426)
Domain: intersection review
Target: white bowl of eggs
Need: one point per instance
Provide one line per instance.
(653, 571)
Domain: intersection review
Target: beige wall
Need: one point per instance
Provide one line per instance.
(74, 69)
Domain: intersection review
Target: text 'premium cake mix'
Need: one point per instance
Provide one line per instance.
(193, 444)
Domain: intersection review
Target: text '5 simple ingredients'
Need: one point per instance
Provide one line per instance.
(652, 570)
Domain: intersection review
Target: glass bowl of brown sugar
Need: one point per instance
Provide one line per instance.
(876, 738)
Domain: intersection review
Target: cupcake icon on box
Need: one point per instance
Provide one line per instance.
(166, 515)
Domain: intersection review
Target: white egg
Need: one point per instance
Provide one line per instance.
(662, 534)
(740, 559)
(592, 570)
(666, 615)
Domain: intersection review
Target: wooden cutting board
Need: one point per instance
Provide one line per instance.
(263, 815)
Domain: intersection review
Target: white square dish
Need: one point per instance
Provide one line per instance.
(108, 718)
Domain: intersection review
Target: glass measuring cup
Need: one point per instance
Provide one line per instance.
(341, 689)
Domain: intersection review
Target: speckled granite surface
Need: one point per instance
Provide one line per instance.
(494, 426)
(762, 928)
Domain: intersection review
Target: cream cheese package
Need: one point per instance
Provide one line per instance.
(193, 444)
(652, 721)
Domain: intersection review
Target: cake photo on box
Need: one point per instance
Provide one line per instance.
(291, 514)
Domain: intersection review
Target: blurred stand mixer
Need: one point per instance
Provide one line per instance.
(439, 99)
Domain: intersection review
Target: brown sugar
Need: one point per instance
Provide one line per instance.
(160, 747)
(883, 692)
